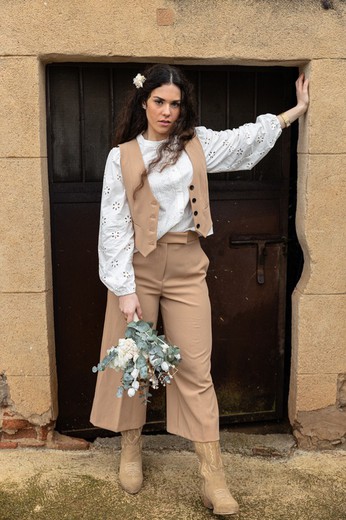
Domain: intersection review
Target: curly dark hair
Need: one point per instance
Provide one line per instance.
(133, 121)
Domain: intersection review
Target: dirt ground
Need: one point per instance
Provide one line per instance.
(281, 483)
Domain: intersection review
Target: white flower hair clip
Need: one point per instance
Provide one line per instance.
(139, 80)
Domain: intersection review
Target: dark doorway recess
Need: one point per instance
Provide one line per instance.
(255, 257)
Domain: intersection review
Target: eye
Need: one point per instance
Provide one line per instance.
(158, 101)
(176, 104)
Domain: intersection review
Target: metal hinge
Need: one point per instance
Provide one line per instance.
(261, 242)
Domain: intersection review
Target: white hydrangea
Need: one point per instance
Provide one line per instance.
(139, 80)
(127, 350)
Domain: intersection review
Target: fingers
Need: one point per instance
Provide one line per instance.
(302, 91)
(139, 311)
(129, 317)
(302, 82)
(129, 305)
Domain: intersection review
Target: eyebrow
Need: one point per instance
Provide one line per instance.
(162, 99)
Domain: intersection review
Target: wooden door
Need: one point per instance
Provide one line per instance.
(253, 215)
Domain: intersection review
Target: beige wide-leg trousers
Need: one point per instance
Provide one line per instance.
(172, 277)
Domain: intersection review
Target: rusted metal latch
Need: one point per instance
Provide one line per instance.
(261, 242)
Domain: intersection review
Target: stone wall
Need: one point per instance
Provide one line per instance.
(261, 32)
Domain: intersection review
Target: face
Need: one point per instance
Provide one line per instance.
(162, 110)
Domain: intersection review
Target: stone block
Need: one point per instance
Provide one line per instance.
(318, 351)
(320, 429)
(341, 392)
(25, 433)
(326, 117)
(74, 29)
(321, 336)
(32, 397)
(22, 107)
(13, 423)
(222, 30)
(25, 350)
(321, 224)
(25, 259)
(315, 391)
(8, 445)
(247, 31)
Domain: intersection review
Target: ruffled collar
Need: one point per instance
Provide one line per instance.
(148, 144)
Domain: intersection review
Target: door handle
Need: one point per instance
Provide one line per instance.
(261, 242)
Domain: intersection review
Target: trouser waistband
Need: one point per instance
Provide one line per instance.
(183, 237)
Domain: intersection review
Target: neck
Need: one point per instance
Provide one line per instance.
(150, 137)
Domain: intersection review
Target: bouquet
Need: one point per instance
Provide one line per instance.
(145, 358)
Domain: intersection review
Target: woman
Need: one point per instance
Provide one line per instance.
(154, 207)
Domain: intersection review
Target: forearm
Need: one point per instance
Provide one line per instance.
(292, 114)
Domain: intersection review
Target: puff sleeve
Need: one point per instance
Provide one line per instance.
(241, 148)
(116, 235)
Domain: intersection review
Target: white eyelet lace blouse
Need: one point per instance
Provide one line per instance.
(228, 150)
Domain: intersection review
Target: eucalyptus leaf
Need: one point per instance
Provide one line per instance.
(151, 351)
(141, 362)
(127, 377)
(142, 326)
(143, 372)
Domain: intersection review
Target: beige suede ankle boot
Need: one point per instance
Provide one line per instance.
(130, 471)
(215, 492)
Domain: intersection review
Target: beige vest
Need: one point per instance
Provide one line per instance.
(145, 208)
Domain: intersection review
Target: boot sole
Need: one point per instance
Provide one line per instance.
(132, 491)
(209, 505)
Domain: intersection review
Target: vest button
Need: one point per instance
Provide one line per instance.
(192, 187)
(195, 213)
(198, 226)
(194, 200)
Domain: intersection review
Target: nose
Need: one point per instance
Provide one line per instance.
(166, 109)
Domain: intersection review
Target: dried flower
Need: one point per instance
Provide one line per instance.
(165, 366)
(135, 373)
(139, 80)
(145, 358)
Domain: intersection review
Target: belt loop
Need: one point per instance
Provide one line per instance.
(192, 236)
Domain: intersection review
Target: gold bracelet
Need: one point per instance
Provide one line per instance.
(285, 119)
